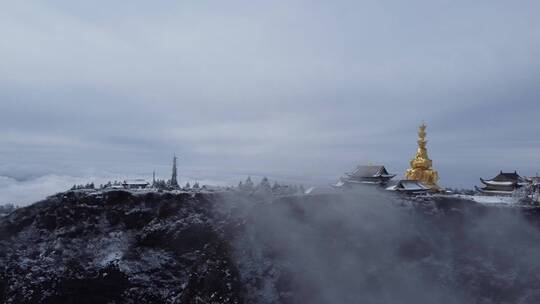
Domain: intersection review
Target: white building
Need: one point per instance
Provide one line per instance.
(135, 184)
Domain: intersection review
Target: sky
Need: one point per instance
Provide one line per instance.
(299, 91)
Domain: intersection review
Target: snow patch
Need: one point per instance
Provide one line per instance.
(482, 199)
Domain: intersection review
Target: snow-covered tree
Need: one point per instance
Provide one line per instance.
(248, 184)
(7, 208)
(265, 184)
(264, 187)
(160, 184)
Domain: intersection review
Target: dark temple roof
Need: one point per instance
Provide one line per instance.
(507, 177)
(409, 186)
(369, 171)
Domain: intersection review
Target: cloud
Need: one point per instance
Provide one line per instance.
(368, 246)
(304, 89)
(25, 192)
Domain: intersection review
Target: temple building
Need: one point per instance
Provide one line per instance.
(421, 166)
(502, 184)
(411, 187)
(135, 184)
(375, 175)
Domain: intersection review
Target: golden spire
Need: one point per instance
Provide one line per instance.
(421, 164)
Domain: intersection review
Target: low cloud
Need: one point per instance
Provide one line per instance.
(370, 247)
(25, 192)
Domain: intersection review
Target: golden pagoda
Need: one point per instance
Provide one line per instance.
(421, 169)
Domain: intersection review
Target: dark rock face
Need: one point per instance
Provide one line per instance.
(118, 247)
(104, 286)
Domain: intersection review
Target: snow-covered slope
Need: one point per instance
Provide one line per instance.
(233, 247)
(116, 248)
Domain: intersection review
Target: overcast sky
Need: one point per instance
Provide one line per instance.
(296, 90)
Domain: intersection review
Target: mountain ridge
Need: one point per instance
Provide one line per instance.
(237, 247)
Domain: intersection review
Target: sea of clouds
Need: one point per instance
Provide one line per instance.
(29, 188)
(25, 192)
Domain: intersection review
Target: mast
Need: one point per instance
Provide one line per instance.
(174, 178)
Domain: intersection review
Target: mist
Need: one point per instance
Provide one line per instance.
(368, 247)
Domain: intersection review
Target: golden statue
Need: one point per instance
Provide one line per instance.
(421, 164)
